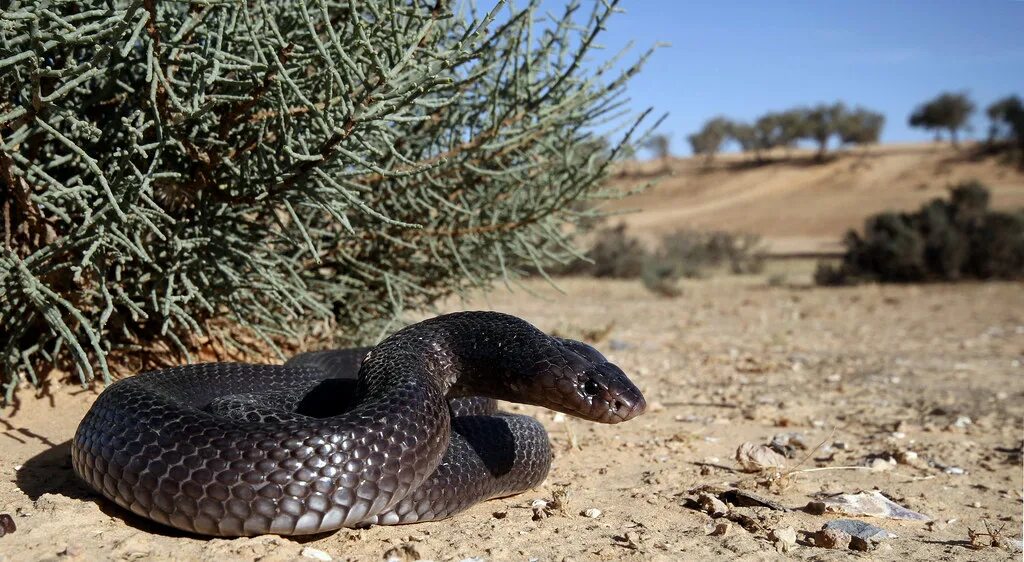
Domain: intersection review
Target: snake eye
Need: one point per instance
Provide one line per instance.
(591, 388)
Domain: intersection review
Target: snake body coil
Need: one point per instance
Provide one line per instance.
(401, 433)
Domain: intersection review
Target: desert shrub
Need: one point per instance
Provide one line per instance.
(693, 254)
(697, 252)
(613, 254)
(249, 175)
(661, 277)
(945, 240)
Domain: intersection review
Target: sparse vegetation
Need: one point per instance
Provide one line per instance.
(946, 240)
(709, 140)
(822, 123)
(860, 126)
(1007, 126)
(614, 254)
(694, 254)
(784, 129)
(947, 112)
(681, 254)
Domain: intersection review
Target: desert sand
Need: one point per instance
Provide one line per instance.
(861, 373)
(916, 392)
(800, 206)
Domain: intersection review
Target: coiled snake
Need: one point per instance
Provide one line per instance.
(404, 432)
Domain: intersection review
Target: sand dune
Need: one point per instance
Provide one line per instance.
(799, 205)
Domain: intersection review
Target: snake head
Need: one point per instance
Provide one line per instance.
(586, 385)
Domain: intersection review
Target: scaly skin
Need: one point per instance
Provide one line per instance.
(180, 446)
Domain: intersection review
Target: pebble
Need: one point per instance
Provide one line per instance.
(753, 457)
(592, 513)
(962, 422)
(955, 471)
(315, 554)
(7, 525)
(832, 538)
(712, 505)
(859, 529)
(784, 538)
(618, 345)
(881, 465)
(910, 458)
(722, 528)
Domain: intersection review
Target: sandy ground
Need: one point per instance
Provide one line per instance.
(866, 373)
(801, 206)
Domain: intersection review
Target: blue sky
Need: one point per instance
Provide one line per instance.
(742, 58)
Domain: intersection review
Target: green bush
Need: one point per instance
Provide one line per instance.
(264, 173)
(946, 240)
(694, 254)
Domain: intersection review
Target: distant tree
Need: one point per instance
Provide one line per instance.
(860, 126)
(659, 145)
(768, 130)
(708, 141)
(821, 122)
(948, 112)
(792, 127)
(746, 136)
(1007, 117)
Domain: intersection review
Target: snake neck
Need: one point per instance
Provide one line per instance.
(462, 354)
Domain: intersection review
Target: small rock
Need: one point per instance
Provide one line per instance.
(784, 538)
(859, 544)
(754, 458)
(315, 554)
(402, 553)
(592, 513)
(722, 528)
(743, 498)
(841, 445)
(73, 550)
(955, 471)
(831, 538)
(910, 458)
(859, 530)
(618, 345)
(879, 464)
(962, 422)
(872, 504)
(500, 514)
(7, 525)
(712, 505)
(789, 443)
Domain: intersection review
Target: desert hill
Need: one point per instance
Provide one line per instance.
(796, 204)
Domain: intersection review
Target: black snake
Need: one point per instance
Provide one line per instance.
(406, 431)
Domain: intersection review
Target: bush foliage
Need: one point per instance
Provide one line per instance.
(681, 254)
(946, 240)
(280, 171)
(819, 124)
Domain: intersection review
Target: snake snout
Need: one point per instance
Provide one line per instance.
(612, 397)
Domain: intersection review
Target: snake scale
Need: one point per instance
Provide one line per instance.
(404, 432)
